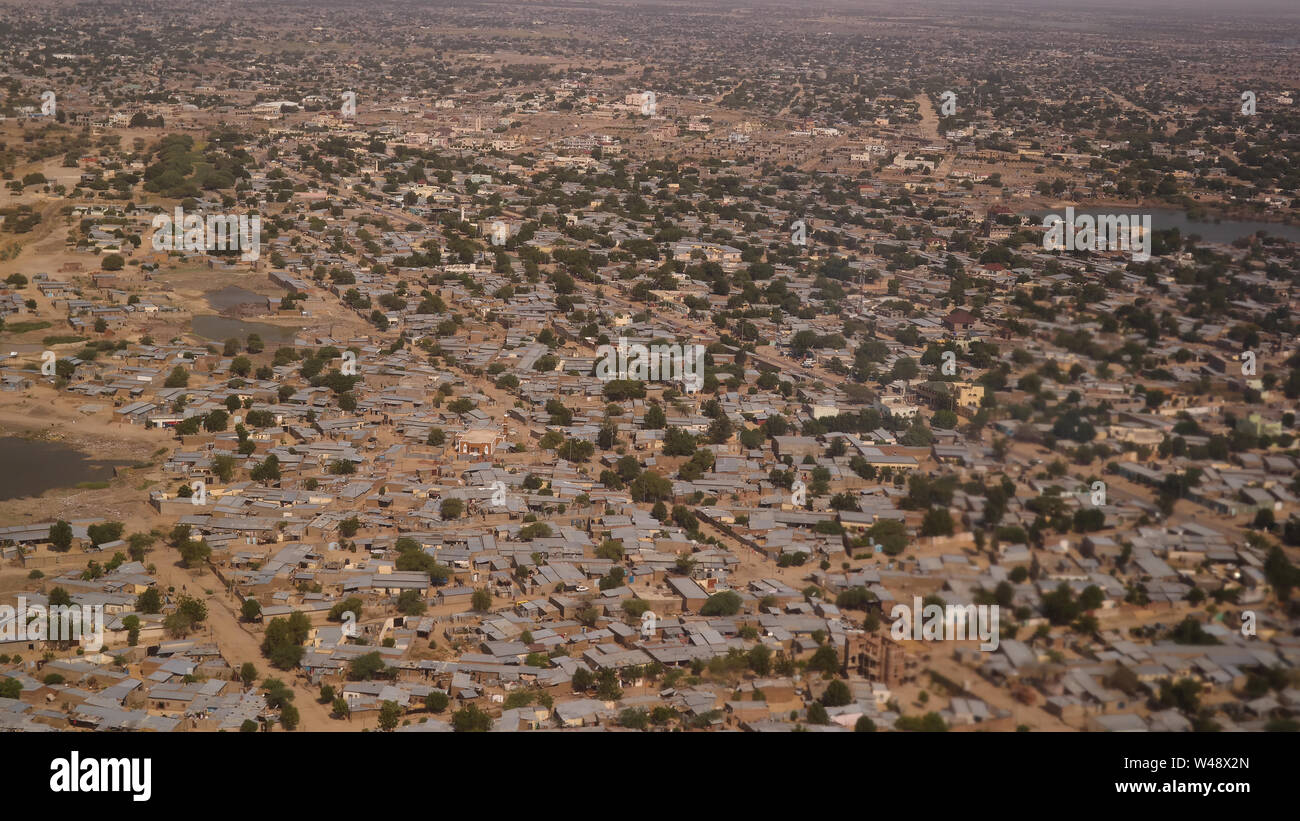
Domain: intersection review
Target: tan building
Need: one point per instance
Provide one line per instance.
(877, 657)
(479, 442)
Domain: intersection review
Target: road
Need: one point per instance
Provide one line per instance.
(238, 644)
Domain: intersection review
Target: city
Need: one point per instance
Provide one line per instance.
(411, 367)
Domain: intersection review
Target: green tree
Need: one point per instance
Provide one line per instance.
(366, 667)
(837, 694)
(390, 713)
(726, 603)
(825, 659)
(451, 509)
(410, 603)
(61, 536)
(149, 602)
(178, 378)
(223, 466)
(470, 719)
(289, 717)
(436, 701)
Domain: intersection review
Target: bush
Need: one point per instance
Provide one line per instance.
(726, 603)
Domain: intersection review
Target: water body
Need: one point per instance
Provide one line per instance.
(35, 466)
(232, 296)
(1162, 219)
(220, 328)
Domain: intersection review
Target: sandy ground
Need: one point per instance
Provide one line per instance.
(39, 414)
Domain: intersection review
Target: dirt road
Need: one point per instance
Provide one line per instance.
(239, 644)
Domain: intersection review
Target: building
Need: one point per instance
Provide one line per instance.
(877, 657)
(479, 442)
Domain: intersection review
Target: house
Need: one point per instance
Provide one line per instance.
(479, 442)
(959, 320)
(692, 595)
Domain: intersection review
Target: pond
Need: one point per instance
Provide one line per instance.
(220, 328)
(37, 465)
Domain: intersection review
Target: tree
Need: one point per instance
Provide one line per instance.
(726, 603)
(1059, 606)
(61, 536)
(132, 625)
(104, 532)
(289, 717)
(1088, 520)
(223, 467)
(650, 487)
(410, 603)
(250, 610)
(470, 719)
(655, 418)
(451, 509)
(436, 701)
(281, 643)
(195, 553)
(216, 421)
(178, 378)
(929, 723)
(366, 667)
(389, 714)
(825, 659)
(351, 604)
(678, 442)
(817, 714)
(937, 522)
(582, 680)
(481, 600)
(248, 673)
(890, 534)
(864, 725)
(634, 718)
(267, 470)
(837, 694)
(607, 688)
(149, 602)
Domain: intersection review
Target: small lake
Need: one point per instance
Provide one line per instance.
(1162, 219)
(36, 466)
(220, 328)
(232, 296)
